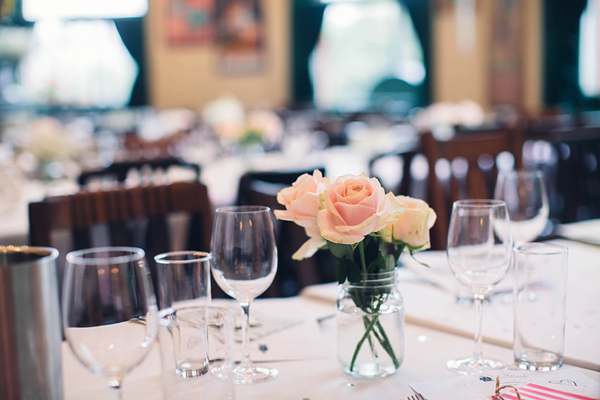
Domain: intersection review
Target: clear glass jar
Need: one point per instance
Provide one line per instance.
(370, 326)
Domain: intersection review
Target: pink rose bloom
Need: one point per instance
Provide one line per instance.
(302, 202)
(355, 206)
(411, 227)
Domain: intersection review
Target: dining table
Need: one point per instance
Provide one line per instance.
(438, 327)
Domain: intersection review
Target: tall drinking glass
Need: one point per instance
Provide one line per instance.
(109, 310)
(244, 266)
(479, 253)
(526, 198)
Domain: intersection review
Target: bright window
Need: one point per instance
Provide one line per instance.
(366, 48)
(77, 63)
(589, 50)
(34, 10)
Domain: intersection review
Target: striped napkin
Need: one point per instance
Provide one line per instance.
(567, 383)
(539, 392)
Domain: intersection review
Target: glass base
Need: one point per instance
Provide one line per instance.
(468, 366)
(191, 368)
(538, 360)
(244, 375)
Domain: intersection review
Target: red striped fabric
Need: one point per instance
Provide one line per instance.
(531, 391)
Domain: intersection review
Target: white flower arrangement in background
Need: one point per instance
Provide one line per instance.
(51, 150)
(233, 124)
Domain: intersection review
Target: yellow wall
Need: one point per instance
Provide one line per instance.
(188, 76)
(465, 74)
(461, 73)
(532, 55)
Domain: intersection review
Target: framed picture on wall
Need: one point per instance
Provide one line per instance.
(240, 36)
(190, 21)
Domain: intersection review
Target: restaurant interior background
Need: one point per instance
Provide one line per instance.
(278, 87)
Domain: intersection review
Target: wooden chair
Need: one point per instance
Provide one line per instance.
(291, 275)
(279, 179)
(471, 174)
(135, 216)
(578, 172)
(119, 170)
(402, 181)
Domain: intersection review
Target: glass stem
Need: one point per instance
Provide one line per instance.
(115, 389)
(245, 336)
(478, 336)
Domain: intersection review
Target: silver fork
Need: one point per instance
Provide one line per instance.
(417, 396)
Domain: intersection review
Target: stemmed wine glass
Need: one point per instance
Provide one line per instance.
(527, 202)
(109, 310)
(244, 265)
(479, 252)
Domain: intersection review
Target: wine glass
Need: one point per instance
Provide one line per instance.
(109, 310)
(244, 265)
(479, 253)
(527, 202)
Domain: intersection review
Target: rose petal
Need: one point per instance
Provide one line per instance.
(309, 248)
(329, 231)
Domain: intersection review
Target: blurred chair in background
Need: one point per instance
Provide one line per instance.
(466, 167)
(578, 173)
(119, 170)
(393, 170)
(139, 216)
(537, 125)
(279, 179)
(261, 188)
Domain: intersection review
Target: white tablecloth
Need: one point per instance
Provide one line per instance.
(426, 353)
(437, 330)
(434, 307)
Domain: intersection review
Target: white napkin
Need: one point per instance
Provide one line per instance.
(279, 330)
(583, 231)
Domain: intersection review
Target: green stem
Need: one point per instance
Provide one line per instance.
(366, 322)
(362, 340)
(387, 345)
(361, 249)
(383, 339)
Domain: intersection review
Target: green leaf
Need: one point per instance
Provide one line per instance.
(340, 272)
(353, 271)
(339, 250)
(412, 255)
(379, 264)
(391, 262)
(371, 245)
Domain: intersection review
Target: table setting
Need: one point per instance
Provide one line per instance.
(393, 326)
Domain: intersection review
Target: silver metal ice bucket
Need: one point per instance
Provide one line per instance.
(30, 335)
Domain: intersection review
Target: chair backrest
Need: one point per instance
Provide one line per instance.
(278, 180)
(399, 174)
(137, 216)
(261, 188)
(578, 174)
(119, 170)
(471, 172)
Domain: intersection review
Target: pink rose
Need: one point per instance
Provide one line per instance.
(411, 227)
(302, 202)
(353, 207)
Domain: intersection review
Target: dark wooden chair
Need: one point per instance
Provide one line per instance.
(261, 188)
(136, 216)
(279, 179)
(578, 172)
(119, 170)
(470, 174)
(400, 162)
